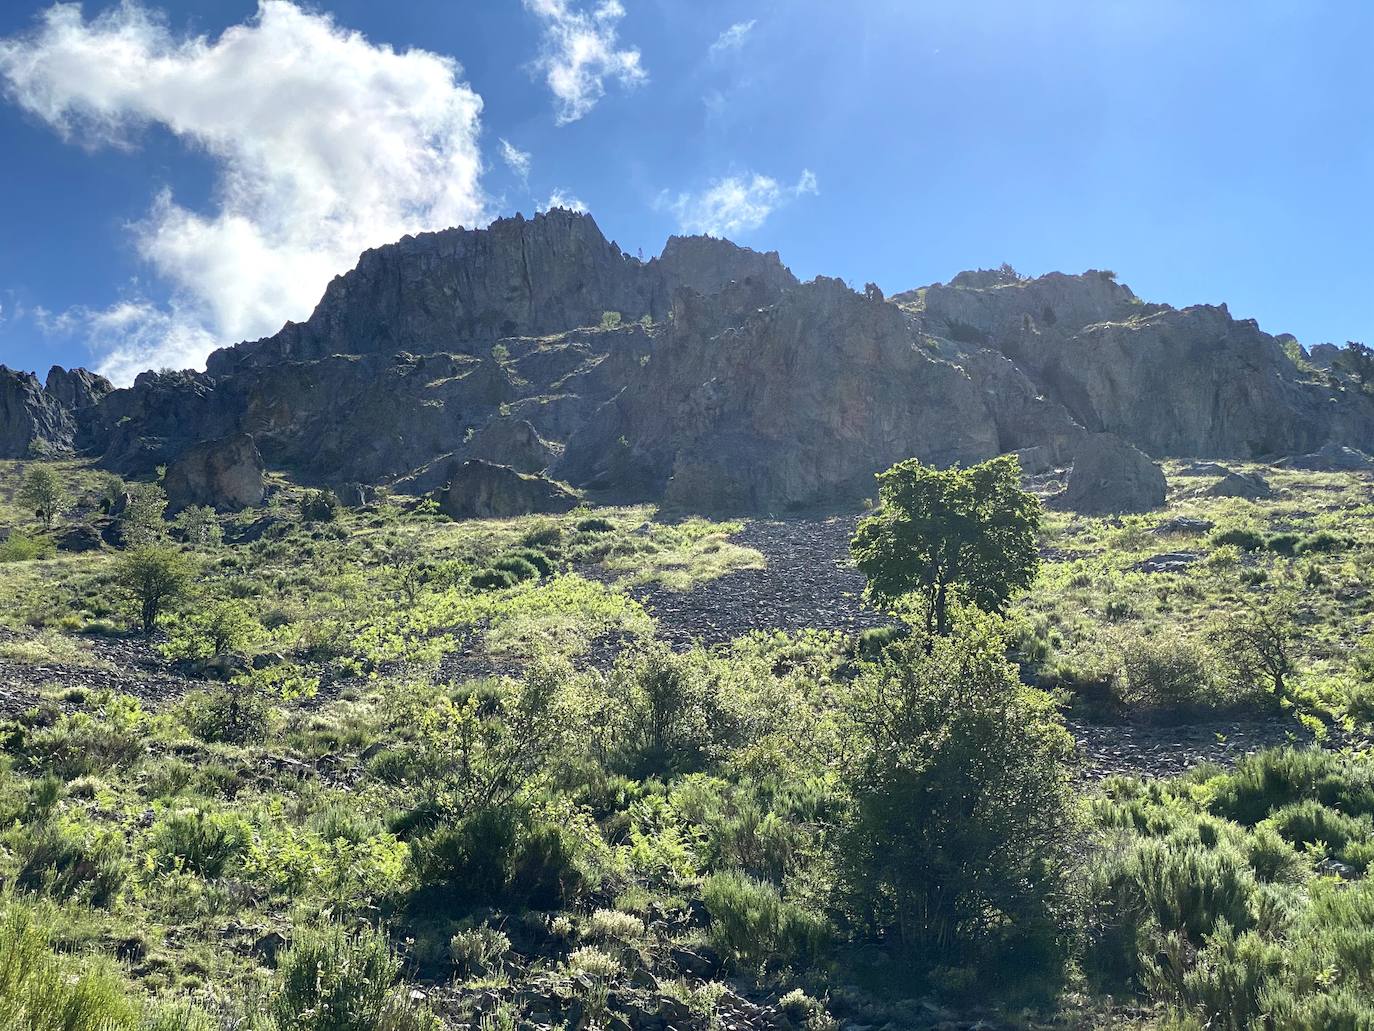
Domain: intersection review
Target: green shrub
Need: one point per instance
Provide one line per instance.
(752, 927)
(222, 628)
(494, 579)
(1269, 780)
(544, 534)
(1165, 673)
(231, 714)
(69, 859)
(319, 506)
(520, 569)
(23, 547)
(1307, 822)
(1245, 540)
(479, 951)
(334, 980)
(536, 558)
(595, 524)
(960, 821)
(203, 842)
(153, 576)
(1283, 544)
(1320, 542)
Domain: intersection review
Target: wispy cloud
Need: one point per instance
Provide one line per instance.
(733, 38)
(580, 51)
(560, 199)
(735, 204)
(516, 159)
(325, 144)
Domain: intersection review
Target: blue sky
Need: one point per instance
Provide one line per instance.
(166, 187)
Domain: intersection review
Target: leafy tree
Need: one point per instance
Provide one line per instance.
(154, 576)
(200, 527)
(943, 531)
(1258, 642)
(42, 492)
(320, 506)
(142, 518)
(223, 628)
(1358, 360)
(611, 319)
(109, 489)
(961, 820)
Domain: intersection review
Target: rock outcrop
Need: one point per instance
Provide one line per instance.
(483, 490)
(1110, 476)
(707, 378)
(1241, 485)
(1334, 458)
(32, 421)
(225, 474)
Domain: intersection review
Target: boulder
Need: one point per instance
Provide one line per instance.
(513, 442)
(1184, 524)
(1333, 458)
(1168, 562)
(226, 474)
(1112, 476)
(32, 421)
(1241, 485)
(1204, 469)
(484, 490)
(77, 537)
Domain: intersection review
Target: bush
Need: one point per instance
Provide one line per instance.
(333, 980)
(494, 579)
(1269, 780)
(153, 576)
(319, 506)
(1165, 674)
(22, 547)
(199, 527)
(200, 841)
(959, 838)
(545, 534)
(1245, 540)
(231, 714)
(520, 569)
(68, 859)
(595, 524)
(534, 557)
(500, 856)
(42, 493)
(479, 951)
(1283, 544)
(224, 628)
(1320, 542)
(752, 927)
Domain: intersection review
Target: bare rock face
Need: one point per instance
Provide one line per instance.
(1110, 476)
(513, 442)
(32, 421)
(75, 389)
(1241, 485)
(226, 474)
(483, 490)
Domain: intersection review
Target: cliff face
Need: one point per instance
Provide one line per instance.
(722, 384)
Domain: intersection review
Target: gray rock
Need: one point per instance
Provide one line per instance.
(75, 389)
(1184, 524)
(1333, 458)
(1204, 469)
(1168, 562)
(1112, 476)
(1241, 485)
(33, 423)
(225, 474)
(482, 490)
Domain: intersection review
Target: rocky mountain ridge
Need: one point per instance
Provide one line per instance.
(707, 377)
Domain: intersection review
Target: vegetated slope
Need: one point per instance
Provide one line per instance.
(300, 790)
(707, 376)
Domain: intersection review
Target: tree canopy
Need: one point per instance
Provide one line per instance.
(940, 532)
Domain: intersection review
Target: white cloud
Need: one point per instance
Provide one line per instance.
(517, 159)
(735, 204)
(559, 199)
(325, 144)
(732, 38)
(580, 51)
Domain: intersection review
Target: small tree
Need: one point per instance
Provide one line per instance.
(42, 492)
(142, 518)
(943, 531)
(154, 576)
(1257, 644)
(1358, 360)
(200, 527)
(961, 819)
(109, 489)
(222, 628)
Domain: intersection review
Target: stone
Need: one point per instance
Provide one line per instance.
(513, 442)
(1241, 485)
(75, 389)
(483, 490)
(1168, 562)
(226, 474)
(32, 422)
(1204, 469)
(1332, 458)
(1110, 476)
(78, 537)
(1184, 524)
